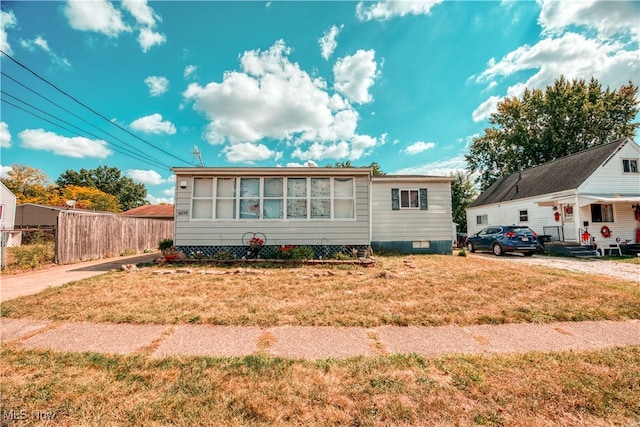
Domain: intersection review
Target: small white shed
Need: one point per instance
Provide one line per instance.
(7, 208)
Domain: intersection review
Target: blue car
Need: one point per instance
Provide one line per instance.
(500, 239)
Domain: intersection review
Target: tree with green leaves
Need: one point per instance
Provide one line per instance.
(462, 194)
(30, 185)
(109, 180)
(565, 118)
(377, 170)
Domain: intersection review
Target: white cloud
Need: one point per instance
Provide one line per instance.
(419, 147)
(148, 38)
(307, 164)
(158, 85)
(101, 16)
(189, 70)
(96, 15)
(41, 43)
(385, 10)
(319, 151)
(271, 98)
(153, 124)
(328, 41)
(7, 20)
(355, 74)
(5, 135)
(611, 56)
(141, 12)
(485, 109)
(4, 170)
(147, 177)
(77, 147)
(159, 200)
(247, 152)
(437, 168)
(608, 18)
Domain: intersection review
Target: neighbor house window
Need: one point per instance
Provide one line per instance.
(524, 215)
(482, 220)
(630, 165)
(602, 213)
(275, 198)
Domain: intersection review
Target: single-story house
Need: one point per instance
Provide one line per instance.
(35, 215)
(7, 208)
(588, 197)
(151, 211)
(326, 209)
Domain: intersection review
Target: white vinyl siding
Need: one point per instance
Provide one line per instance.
(611, 179)
(390, 223)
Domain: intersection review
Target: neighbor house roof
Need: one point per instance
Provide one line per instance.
(150, 211)
(565, 173)
(63, 209)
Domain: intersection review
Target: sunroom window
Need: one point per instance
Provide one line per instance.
(273, 198)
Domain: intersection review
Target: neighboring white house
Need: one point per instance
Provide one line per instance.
(7, 208)
(324, 208)
(586, 196)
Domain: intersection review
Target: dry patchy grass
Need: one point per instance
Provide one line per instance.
(417, 291)
(599, 388)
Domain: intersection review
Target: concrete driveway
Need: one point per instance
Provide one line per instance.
(17, 285)
(610, 268)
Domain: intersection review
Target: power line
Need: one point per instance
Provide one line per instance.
(145, 155)
(89, 108)
(133, 155)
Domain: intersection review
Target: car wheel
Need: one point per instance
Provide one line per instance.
(497, 249)
(528, 253)
(470, 247)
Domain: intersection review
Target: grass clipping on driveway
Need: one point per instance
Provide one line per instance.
(416, 291)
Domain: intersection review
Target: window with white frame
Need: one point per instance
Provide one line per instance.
(409, 199)
(602, 212)
(523, 214)
(482, 220)
(274, 198)
(630, 165)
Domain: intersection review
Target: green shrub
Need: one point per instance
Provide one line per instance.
(301, 253)
(31, 256)
(462, 252)
(341, 256)
(222, 255)
(165, 244)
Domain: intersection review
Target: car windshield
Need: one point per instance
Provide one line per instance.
(520, 230)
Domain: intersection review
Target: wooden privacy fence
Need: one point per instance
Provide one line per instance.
(84, 237)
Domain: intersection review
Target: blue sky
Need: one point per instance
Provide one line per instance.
(280, 83)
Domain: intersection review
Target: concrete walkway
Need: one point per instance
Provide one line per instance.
(314, 342)
(18, 285)
(285, 341)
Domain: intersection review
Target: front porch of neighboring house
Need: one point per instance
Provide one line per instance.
(593, 225)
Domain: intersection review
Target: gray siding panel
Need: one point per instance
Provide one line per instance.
(434, 223)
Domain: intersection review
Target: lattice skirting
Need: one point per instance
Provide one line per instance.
(239, 252)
